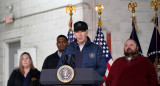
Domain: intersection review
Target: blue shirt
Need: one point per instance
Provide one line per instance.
(25, 80)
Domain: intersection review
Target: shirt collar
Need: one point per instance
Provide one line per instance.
(132, 58)
(59, 53)
(81, 47)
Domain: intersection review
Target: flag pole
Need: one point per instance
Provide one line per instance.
(132, 5)
(99, 8)
(70, 8)
(155, 4)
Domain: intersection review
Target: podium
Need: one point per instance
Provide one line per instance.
(82, 76)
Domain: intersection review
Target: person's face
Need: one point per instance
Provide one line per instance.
(61, 43)
(81, 36)
(130, 48)
(26, 61)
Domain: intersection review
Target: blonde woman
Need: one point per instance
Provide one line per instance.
(26, 74)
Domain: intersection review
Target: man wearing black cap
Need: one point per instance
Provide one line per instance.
(87, 54)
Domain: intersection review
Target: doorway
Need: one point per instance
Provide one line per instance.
(11, 46)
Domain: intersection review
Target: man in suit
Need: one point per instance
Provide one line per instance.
(52, 60)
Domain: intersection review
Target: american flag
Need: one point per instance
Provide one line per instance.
(70, 35)
(99, 40)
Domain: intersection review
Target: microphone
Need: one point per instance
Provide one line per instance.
(72, 59)
(64, 62)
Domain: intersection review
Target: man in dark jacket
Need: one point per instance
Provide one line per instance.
(87, 54)
(52, 60)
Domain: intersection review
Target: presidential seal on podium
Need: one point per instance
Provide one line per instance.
(65, 73)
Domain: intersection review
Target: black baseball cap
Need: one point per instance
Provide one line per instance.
(80, 25)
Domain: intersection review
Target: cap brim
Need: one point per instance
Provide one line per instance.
(77, 29)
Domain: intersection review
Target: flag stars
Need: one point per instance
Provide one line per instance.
(99, 40)
(154, 52)
(107, 51)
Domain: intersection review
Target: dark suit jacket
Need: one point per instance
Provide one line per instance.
(51, 61)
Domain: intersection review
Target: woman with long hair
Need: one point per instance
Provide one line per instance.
(26, 74)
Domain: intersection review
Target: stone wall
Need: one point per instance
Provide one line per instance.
(38, 23)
